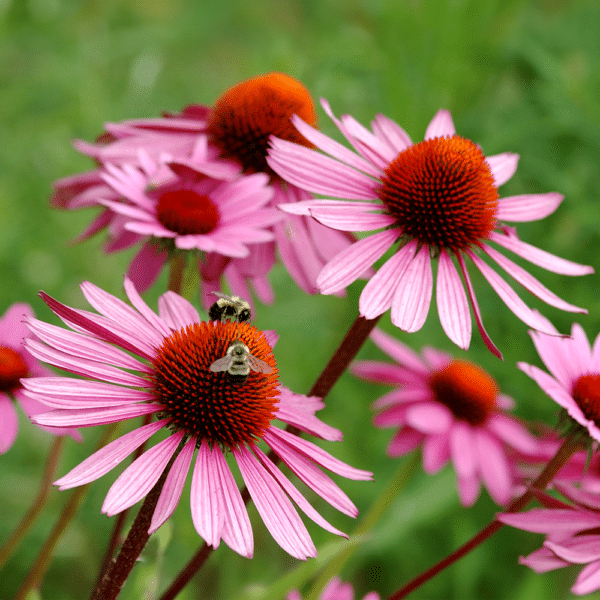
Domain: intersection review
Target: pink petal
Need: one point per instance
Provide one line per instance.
(529, 282)
(503, 166)
(375, 149)
(411, 301)
(528, 207)
(412, 393)
(379, 291)
(493, 467)
(436, 452)
(208, 514)
(577, 550)
(510, 298)
(351, 263)
(390, 131)
(471, 293)
(176, 311)
(9, 423)
(86, 417)
(150, 316)
(441, 125)
(308, 423)
(295, 495)
(553, 352)
(429, 417)
(171, 492)
(404, 441)
(468, 489)
(140, 476)
(358, 218)
(319, 173)
(512, 433)
(274, 507)
(551, 520)
(12, 325)
(542, 561)
(399, 352)
(588, 580)
(107, 458)
(463, 450)
(453, 306)
(539, 257)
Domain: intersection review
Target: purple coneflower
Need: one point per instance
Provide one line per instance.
(15, 365)
(335, 590)
(454, 410)
(574, 379)
(137, 363)
(437, 199)
(572, 535)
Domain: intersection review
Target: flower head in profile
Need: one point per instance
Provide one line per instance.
(136, 363)
(17, 364)
(454, 411)
(335, 590)
(437, 199)
(574, 378)
(572, 534)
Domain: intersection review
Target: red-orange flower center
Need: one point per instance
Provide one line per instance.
(246, 115)
(586, 392)
(222, 407)
(467, 390)
(442, 193)
(12, 368)
(186, 212)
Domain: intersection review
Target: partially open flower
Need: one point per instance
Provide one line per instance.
(16, 364)
(175, 367)
(434, 200)
(455, 411)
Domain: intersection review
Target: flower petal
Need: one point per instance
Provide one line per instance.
(503, 166)
(441, 125)
(528, 207)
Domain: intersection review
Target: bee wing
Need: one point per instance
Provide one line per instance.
(222, 295)
(260, 366)
(222, 364)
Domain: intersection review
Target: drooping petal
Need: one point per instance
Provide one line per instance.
(404, 441)
(9, 423)
(588, 579)
(429, 417)
(453, 306)
(274, 507)
(86, 417)
(399, 352)
(493, 466)
(411, 301)
(140, 476)
(107, 458)
(146, 266)
(577, 550)
(549, 520)
(469, 489)
(436, 452)
(351, 263)
(171, 492)
(462, 449)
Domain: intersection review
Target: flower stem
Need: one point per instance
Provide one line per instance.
(35, 576)
(38, 503)
(138, 536)
(353, 340)
(568, 447)
(176, 269)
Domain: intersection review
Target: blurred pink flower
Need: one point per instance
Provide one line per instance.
(454, 410)
(574, 379)
(572, 535)
(335, 590)
(138, 363)
(227, 142)
(16, 364)
(435, 199)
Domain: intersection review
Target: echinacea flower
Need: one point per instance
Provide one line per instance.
(436, 199)
(574, 379)
(572, 535)
(137, 363)
(228, 141)
(454, 410)
(16, 364)
(335, 590)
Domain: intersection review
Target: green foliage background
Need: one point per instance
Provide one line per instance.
(518, 75)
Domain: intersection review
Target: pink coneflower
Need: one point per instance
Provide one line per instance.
(435, 199)
(189, 211)
(335, 590)
(16, 364)
(454, 410)
(137, 363)
(574, 382)
(572, 535)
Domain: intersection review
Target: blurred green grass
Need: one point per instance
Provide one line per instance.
(520, 76)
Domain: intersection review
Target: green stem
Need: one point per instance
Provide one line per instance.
(357, 335)
(38, 503)
(568, 447)
(35, 576)
(176, 270)
(396, 484)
